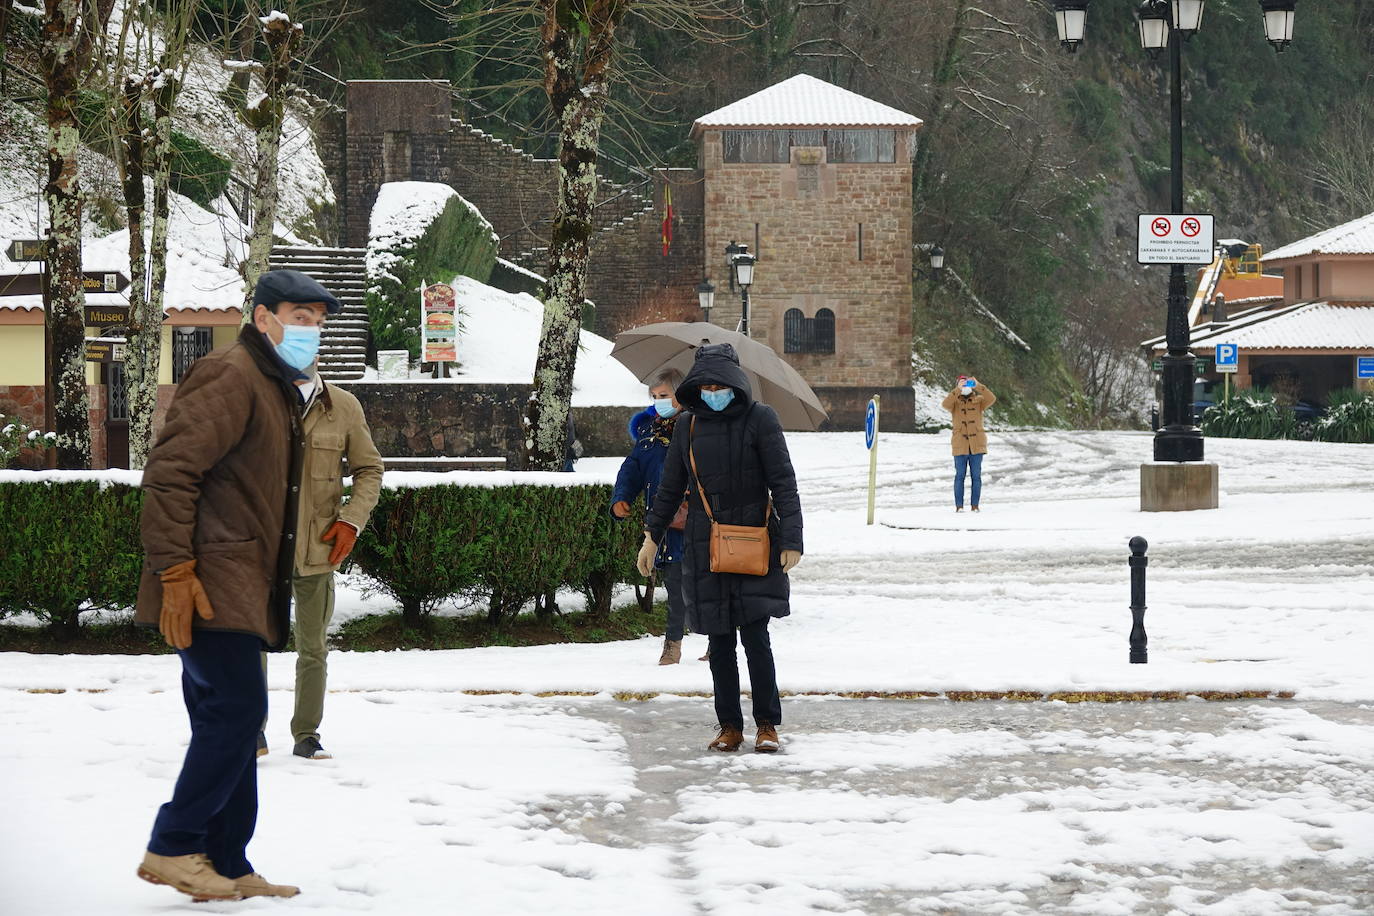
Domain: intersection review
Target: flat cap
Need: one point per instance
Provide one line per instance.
(292, 286)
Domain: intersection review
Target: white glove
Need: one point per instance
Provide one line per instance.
(645, 561)
(790, 559)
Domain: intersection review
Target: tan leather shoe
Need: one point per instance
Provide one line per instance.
(255, 885)
(766, 741)
(672, 652)
(729, 739)
(191, 874)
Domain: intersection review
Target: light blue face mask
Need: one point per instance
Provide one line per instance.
(664, 407)
(718, 400)
(299, 346)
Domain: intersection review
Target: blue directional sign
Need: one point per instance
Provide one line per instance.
(1228, 357)
(1364, 366)
(870, 424)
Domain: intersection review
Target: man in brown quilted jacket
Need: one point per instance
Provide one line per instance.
(220, 497)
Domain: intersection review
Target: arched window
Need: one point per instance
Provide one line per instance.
(808, 335)
(823, 332)
(794, 331)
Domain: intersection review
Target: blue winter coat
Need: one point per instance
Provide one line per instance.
(640, 473)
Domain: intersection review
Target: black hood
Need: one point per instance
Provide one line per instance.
(716, 364)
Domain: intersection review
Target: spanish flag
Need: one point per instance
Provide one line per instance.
(667, 218)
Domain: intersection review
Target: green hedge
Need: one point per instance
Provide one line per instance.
(508, 544)
(459, 242)
(1350, 418)
(71, 546)
(1259, 414)
(66, 547)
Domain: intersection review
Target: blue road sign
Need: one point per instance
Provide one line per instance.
(870, 424)
(1364, 366)
(1227, 355)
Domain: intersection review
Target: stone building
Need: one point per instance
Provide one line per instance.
(816, 180)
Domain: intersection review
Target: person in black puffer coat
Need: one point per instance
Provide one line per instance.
(742, 457)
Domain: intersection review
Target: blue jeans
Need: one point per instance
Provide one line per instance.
(962, 465)
(214, 806)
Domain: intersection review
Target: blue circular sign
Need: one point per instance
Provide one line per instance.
(870, 424)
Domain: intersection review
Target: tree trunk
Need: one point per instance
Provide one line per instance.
(577, 89)
(145, 327)
(66, 297)
(411, 617)
(265, 115)
(143, 402)
(945, 74)
(4, 45)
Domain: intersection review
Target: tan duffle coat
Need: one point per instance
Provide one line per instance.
(335, 430)
(968, 436)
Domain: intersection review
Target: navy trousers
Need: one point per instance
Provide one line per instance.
(214, 807)
(763, 678)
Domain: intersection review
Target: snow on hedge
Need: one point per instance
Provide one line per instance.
(402, 213)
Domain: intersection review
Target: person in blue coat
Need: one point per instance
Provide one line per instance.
(651, 430)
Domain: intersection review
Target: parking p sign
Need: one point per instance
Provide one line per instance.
(1228, 357)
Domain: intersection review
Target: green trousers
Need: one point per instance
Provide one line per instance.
(314, 609)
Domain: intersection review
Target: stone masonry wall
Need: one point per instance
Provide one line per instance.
(430, 420)
(802, 219)
(397, 130)
(632, 282)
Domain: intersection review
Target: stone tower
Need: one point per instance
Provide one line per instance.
(816, 180)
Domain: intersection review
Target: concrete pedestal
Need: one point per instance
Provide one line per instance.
(1168, 486)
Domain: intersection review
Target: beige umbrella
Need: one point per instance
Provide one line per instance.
(648, 350)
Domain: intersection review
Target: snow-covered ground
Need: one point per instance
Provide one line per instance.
(504, 804)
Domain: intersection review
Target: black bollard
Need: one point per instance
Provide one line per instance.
(1139, 654)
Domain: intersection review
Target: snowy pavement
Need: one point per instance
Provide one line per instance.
(444, 801)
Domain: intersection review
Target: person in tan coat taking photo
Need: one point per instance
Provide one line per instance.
(968, 439)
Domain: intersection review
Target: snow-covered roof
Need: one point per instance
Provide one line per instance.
(1354, 237)
(804, 101)
(1309, 326)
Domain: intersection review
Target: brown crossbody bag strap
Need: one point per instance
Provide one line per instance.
(740, 549)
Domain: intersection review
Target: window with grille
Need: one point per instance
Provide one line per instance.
(118, 407)
(870, 145)
(189, 345)
(808, 335)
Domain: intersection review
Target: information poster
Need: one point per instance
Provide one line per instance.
(440, 324)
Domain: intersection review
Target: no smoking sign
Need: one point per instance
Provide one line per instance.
(1175, 238)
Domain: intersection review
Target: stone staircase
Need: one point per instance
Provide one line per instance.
(342, 271)
(622, 206)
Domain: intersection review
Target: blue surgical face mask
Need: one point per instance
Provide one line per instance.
(299, 346)
(664, 407)
(718, 400)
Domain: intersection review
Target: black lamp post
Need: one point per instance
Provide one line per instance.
(936, 254)
(744, 276)
(706, 296)
(1167, 23)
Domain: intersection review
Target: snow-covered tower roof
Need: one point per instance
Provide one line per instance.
(1353, 238)
(804, 101)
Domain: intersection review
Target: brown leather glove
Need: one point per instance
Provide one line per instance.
(182, 596)
(343, 536)
(620, 509)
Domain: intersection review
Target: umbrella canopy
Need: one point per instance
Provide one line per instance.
(648, 350)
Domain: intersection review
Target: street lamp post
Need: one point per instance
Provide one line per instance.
(1167, 23)
(741, 265)
(706, 297)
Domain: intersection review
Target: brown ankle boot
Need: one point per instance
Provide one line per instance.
(672, 652)
(766, 741)
(729, 739)
(191, 874)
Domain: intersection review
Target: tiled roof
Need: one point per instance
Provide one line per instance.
(1354, 237)
(804, 101)
(1315, 325)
